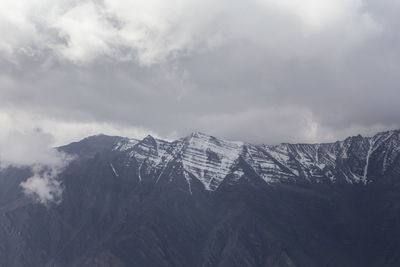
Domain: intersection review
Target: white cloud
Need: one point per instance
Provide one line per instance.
(85, 31)
(319, 13)
(43, 187)
(153, 31)
(34, 150)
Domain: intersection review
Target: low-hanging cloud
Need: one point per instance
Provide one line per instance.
(261, 71)
(33, 149)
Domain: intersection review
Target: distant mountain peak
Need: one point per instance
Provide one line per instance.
(210, 159)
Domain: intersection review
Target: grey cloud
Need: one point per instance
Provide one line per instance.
(258, 71)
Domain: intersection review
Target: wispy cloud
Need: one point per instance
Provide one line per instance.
(33, 150)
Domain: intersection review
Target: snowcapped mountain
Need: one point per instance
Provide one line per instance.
(201, 201)
(211, 160)
(202, 157)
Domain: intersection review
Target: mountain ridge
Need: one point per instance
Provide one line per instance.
(209, 159)
(164, 204)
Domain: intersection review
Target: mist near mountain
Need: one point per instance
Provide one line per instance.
(33, 150)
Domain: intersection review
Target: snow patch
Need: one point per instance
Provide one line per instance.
(209, 159)
(114, 171)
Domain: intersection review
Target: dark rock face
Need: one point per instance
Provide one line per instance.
(201, 201)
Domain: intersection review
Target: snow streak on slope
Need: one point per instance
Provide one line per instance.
(210, 159)
(126, 144)
(152, 155)
(114, 171)
(385, 149)
(206, 158)
(288, 161)
(267, 166)
(370, 151)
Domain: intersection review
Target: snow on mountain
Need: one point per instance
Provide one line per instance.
(206, 158)
(210, 160)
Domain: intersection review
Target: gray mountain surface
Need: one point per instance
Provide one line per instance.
(203, 201)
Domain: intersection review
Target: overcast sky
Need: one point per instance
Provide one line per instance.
(261, 71)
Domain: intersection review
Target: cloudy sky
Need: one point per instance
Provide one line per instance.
(262, 71)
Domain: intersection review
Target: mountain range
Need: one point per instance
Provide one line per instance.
(204, 201)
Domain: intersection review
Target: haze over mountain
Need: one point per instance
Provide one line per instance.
(204, 201)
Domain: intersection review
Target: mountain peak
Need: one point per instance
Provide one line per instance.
(197, 134)
(210, 160)
(149, 139)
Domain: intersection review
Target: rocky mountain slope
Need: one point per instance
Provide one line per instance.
(210, 160)
(203, 201)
